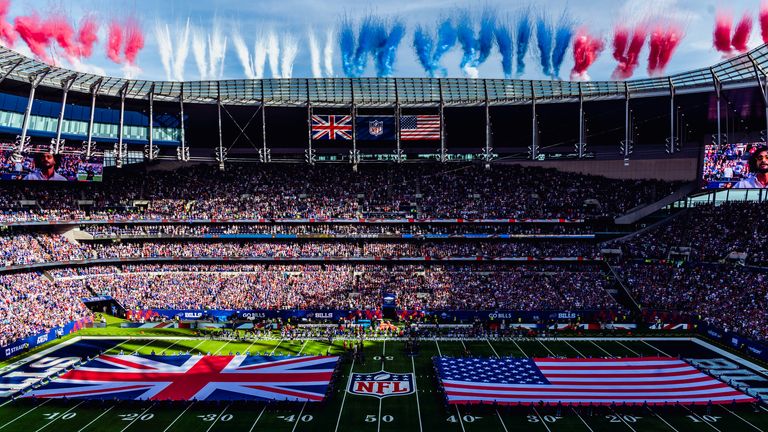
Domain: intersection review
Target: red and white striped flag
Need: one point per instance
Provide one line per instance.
(420, 127)
(652, 380)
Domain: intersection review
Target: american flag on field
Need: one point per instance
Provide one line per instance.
(187, 377)
(420, 127)
(652, 380)
(331, 127)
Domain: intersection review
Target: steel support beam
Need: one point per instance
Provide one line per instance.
(354, 154)
(34, 81)
(443, 149)
(120, 147)
(221, 156)
(310, 153)
(672, 147)
(718, 90)
(399, 156)
(66, 85)
(264, 153)
(151, 152)
(89, 143)
(182, 153)
(533, 150)
(581, 145)
(626, 145)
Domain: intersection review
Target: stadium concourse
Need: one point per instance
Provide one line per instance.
(391, 276)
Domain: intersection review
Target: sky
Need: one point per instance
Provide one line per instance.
(254, 20)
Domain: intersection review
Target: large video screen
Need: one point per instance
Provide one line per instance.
(39, 164)
(737, 165)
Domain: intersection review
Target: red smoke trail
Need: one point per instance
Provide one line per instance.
(764, 21)
(586, 49)
(32, 31)
(741, 34)
(87, 35)
(672, 38)
(663, 43)
(722, 33)
(115, 42)
(134, 41)
(7, 33)
(629, 60)
(57, 28)
(620, 39)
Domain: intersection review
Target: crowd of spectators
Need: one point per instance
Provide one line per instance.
(729, 297)
(299, 191)
(31, 304)
(347, 286)
(708, 233)
(24, 249)
(102, 231)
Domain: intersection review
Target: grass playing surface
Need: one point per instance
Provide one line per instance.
(423, 411)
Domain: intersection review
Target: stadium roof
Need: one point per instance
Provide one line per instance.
(739, 71)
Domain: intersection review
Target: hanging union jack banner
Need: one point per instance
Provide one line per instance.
(187, 377)
(331, 127)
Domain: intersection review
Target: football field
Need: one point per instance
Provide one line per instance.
(423, 410)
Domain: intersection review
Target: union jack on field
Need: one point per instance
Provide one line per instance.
(187, 377)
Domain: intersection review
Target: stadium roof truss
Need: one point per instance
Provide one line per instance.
(746, 70)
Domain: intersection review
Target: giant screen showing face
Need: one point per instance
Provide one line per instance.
(735, 165)
(39, 164)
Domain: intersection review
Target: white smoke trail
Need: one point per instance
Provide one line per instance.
(243, 54)
(182, 52)
(164, 46)
(259, 57)
(217, 49)
(314, 55)
(200, 52)
(273, 54)
(328, 52)
(290, 51)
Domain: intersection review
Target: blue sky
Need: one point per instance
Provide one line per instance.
(294, 18)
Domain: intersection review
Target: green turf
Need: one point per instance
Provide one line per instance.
(423, 411)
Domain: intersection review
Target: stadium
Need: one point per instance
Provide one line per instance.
(383, 253)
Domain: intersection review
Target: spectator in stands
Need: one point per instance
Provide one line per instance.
(758, 166)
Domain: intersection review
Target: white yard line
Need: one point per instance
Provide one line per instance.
(138, 417)
(302, 347)
(740, 417)
(381, 400)
(344, 399)
(298, 418)
(217, 418)
(601, 349)
(94, 420)
(257, 419)
(179, 416)
(582, 419)
(662, 419)
(416, 391)
(25, 413)
(574, 348)
(502, 421)
(541, 419)
(621, 417)
(59, 416)
(655, 348)
(461, 422)
(546, 348)
(701, 419)
(494, 349)
(221, 348)
(518, 347)
(629, 349)
(275, 348)
(438, 348)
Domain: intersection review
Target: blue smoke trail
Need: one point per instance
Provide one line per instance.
(523, 38)
(423, 44)
(387, 51)
(446, 39)
(544, 42)
(347, 46)
(370, 33)
(563, 36)
(485, 40)
(504, 41)
(466, 37)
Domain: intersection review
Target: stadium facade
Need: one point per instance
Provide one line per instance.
(661, 122)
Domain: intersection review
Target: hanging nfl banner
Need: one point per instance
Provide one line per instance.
(375, 128)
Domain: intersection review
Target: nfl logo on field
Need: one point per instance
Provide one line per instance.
(381, 384)
(376, 127)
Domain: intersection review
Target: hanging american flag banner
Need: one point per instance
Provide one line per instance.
(331, 127)
(187, 377)
(652, 380)
(420, 127)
